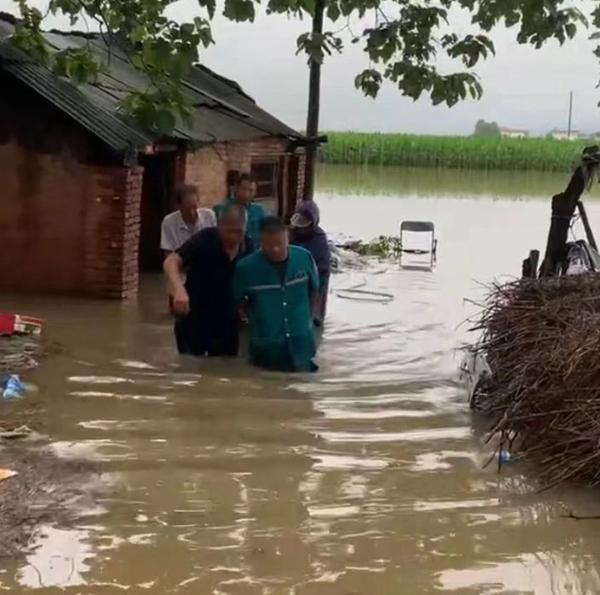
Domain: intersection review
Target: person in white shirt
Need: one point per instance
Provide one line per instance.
(178, 227)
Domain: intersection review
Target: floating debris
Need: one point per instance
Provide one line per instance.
(44, 490)
(19, 353)
(7, 474)
(12, 387)
(17, 433)
(381, 247)
(11, 324)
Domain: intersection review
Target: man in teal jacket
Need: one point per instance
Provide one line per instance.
(277, 284)
(244, 193)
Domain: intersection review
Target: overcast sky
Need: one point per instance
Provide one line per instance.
(523, 88)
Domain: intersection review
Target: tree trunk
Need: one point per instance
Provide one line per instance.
(563, 208)
(314, 97)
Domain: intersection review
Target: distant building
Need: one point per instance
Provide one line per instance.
(514, 133)
(564, 134)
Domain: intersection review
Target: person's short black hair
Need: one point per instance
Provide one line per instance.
(245, 178)
(272, 224)
(232, 213)
(233, 177)
(185, 190)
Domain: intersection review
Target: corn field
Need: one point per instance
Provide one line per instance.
(457, 152)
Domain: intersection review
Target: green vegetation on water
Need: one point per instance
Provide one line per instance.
(458, 152)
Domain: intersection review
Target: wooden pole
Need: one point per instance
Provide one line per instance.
(589, 234)
(314, 100)
(570, 114)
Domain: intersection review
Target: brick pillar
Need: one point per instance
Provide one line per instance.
(112, 233)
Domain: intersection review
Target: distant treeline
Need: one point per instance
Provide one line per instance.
(458, 152)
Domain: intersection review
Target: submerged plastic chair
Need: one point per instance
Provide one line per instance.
(418, 227)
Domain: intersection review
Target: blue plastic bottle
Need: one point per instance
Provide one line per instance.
(13, 388)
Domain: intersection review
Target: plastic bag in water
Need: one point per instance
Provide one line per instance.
(12, 387)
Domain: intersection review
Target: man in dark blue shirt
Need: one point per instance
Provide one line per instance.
(207, 316)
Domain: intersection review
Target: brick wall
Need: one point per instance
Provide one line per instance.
(112, 233)
(40, 212)
(66, 226)
(69, 212)
(207, 167)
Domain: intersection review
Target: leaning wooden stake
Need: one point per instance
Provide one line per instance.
(589, 234)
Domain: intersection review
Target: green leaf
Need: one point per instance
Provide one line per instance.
(165, 121)
(333, 11)
(369, 82)
(239, 10)
(211, 7)
(138, 34)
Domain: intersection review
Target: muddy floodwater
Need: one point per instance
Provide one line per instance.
(365, 479)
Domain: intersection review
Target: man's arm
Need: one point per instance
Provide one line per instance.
(173, 268)
(240, 292)
(313, 277)
(313, 286)
(240, 288)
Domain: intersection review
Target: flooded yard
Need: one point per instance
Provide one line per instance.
(365, 479)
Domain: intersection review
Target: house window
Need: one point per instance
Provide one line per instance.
(265, 174)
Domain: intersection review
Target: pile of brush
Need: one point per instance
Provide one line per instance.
(541, 338)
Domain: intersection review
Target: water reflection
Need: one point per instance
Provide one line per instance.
(531, 573)
(348, 180)
(59, 559)
(365, 479)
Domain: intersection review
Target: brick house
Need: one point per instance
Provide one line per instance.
(84, 191)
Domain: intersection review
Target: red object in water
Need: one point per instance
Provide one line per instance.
(7, 324)
(15, 323)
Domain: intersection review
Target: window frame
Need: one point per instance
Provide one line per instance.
(274, 162)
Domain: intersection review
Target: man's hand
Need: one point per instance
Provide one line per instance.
(181, 302)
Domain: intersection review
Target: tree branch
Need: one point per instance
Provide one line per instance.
(577, 517)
